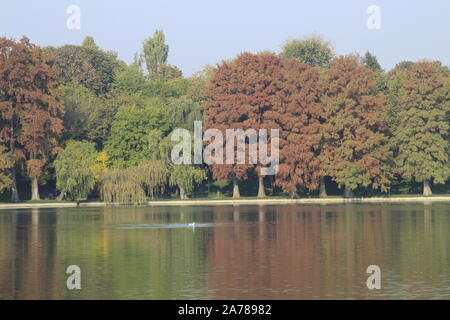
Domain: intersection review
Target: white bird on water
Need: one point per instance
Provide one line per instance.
(192, 224)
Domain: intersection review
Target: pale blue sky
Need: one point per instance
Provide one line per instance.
(203, 32)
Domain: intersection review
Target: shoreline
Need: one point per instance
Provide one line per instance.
(193, 202)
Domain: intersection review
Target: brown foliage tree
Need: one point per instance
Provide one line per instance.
(239, 94)
(297, 110)
(355, 149)
(30, 107)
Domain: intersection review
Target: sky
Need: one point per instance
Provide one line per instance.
(201, 32)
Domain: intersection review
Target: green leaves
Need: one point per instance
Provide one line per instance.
(155, 52)
(313, 51)
(74, 167)
(421, 133)
(129, 143)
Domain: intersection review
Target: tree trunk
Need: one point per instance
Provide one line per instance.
(261, 191)
(323, 187)
(183, 194)
(348, 192)
(427, 188)
(35, 189)
(61, 196)
(293, 195)
(236, 193)
(14, 191)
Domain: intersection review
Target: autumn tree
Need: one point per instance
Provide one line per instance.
(355, 150)
(421, 133)
(30, 107)
(239, 94)
(6, 162)
(316, 52)
(296, 111)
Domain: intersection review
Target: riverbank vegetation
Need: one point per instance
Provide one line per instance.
(78, 123)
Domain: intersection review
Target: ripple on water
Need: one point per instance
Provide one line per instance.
(166, 226)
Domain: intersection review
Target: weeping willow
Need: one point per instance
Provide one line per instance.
(122, 186)
(185, 177)
(153, 175)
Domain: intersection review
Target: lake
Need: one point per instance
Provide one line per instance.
(232, 252)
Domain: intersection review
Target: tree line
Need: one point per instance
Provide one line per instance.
(77, 122)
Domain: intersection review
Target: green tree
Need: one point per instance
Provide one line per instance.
(89, 42)
(154, 175)
(371, 62)
(422, 130)
(80, 105)
(314, 51)
(87, 65)
(183, 111)
(134, 133)
(185, 177)
(74, 167)
(168, 72)
(130, 80)
(122, 186)
(155, 52)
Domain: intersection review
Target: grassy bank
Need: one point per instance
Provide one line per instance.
(230, 201)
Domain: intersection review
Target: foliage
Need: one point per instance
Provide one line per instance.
(6, 163)
(297, 111)
(238, 96)
(86, 65)
(80, 104)
(101, 164)
(130, 80)
(133, 132)
(185, 177)
(155, 52)
(168, 72)
(154, 175)
(122, 186)
(422, 131)
(355, 150)
(30, 105)
(183, 111)
(371, 62)
(313, 51)
(75, 175)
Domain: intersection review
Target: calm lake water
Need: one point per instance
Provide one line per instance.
(241, 252)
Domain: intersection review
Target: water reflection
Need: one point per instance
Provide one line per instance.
(233, 252)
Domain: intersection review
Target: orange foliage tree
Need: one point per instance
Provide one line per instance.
(30, 108)
(297, 110)
(355, 150)
(239, 94)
